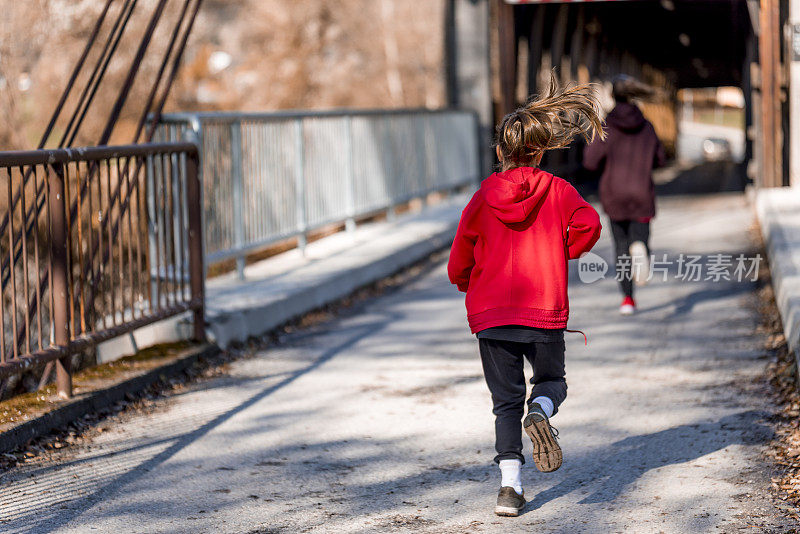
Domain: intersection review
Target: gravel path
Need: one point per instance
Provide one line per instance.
(380, 421)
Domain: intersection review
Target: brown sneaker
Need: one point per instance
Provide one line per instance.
(509, 502)
(546, 451)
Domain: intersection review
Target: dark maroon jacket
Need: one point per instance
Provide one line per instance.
(627, 158)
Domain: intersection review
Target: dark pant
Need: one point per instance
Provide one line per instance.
(503, 367)
(625, 233)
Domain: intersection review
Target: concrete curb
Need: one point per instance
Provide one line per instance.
(778, 212)
(97, 400)
(280, 289)
(239, 325)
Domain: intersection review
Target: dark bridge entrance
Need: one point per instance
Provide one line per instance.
(670, 44)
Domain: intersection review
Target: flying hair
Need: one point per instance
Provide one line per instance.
(625, 88)
(549, 121)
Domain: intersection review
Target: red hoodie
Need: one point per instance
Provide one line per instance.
(511, 249)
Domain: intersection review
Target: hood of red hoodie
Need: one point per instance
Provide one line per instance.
(516, 194)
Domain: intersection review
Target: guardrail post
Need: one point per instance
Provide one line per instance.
(392, 184)
(300, 186)
(58, 244)
(196, 270)
(194, 134)
(238, 196)
(152, 232)
(350, 193)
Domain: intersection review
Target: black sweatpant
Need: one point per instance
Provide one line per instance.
(503, 367)
(625, 233)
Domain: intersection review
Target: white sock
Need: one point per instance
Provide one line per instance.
(546, 404)
(510, 472)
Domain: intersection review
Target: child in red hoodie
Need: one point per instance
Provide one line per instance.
(510, 256)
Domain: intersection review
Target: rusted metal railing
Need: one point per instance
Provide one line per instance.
(99, 241)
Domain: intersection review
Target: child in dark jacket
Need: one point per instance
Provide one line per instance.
(510, 256)
(627, 158)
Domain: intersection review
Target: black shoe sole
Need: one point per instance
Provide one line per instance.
(546, 452)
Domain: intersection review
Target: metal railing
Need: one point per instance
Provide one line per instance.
(94, 243)
(267, 177)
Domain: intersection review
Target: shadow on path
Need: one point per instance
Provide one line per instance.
(50, 523)
(684, 305)
(706, 177)
(611, 469)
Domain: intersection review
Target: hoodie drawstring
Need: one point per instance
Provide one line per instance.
(585, 339)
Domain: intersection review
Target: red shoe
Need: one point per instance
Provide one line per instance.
(627, 307)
